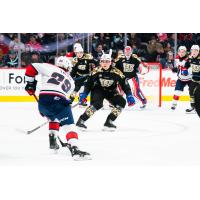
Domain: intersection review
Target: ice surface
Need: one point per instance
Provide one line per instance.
(154, 136)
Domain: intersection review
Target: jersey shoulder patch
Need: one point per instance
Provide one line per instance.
(117, 71)
(120, 57)
(74, 60)
(136, 57)
(96, 70)
(88, 56)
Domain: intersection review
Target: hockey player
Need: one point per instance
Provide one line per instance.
(197, 100)
(184, 78)
(194, 64)
(53, 102)
(82, 66)
(129, 64)
(103, 85)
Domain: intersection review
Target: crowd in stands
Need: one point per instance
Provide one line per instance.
(19, 50)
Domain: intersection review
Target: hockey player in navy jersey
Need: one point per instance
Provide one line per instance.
(53, 103)
(184, 77)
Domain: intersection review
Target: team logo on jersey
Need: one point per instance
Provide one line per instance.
(56, 98)
(105, 82)
(128, 67)
(195, 68)
(82, 67)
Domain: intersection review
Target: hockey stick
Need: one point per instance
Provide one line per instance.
(81, 77)
(40, 126)
(35, 97)
(62, 143)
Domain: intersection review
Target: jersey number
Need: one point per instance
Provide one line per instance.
(57, 78)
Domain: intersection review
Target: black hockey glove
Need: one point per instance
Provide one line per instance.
(31, 87)
(175, 69)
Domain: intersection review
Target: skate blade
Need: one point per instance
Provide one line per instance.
(54, 151)
(143, 107)
(78, 158)
(82, 106)
(82, 129)
(108, 129)
(193, 112)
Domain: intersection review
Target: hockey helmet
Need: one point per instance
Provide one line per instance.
(106, 56)
(182, 48)
(128, 51)
(195, 47)
(78, 48)
(64, 62)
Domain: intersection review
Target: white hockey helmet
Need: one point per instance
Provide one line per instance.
(106, 56)
(64, 63)
(78, 48)
(195, 47)
(76, 45)
(182, 48)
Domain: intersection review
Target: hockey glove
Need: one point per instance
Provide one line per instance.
(175, 69)
(82, 98)
(72, 96)
(130, 100)
(31, 87)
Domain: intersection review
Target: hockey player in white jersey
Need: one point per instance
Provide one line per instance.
(184, 77)
(53, 103)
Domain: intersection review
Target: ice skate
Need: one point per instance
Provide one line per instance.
(77, 154)
(52, 142)
(109, 126)
(80, 124)
(190, 110)
(174, 105)
(143, 106)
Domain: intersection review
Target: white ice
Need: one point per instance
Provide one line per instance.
(154, 136)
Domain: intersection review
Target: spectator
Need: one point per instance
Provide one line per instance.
(162, 37)
(98, 52)
(160, 54)
(11, 59)
(3, 48)
(171, 40)
(34, 44)
(186, 39)
(151, 51)
(16, 44)
(35, 57)
(118, 40)
(169, 60)
(26, 56)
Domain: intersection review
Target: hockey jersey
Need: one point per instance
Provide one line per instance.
(183, 73)
(129, 67)
(54, 80)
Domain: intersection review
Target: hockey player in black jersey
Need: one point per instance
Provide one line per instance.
(194, 64)
(82, 66)
(197, 99)
(129, 64)
(103, 85)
